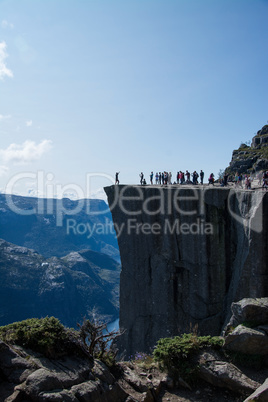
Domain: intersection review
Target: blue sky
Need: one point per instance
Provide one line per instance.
(94, 87)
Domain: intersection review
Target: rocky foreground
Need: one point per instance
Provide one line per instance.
(29, 376)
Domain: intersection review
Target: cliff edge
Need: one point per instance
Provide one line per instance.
(187, 253)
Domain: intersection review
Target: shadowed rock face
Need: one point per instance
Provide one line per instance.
(187, 254)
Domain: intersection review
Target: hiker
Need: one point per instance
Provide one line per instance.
(265, 180)
(156, 178)
(160, 178)
(236, 179)
(201, 176)
(141, 178)
(151, 177)
(116, 178)
(225, 178)
(247, 182)
(211, 179)
(195, 177)
(188, 175)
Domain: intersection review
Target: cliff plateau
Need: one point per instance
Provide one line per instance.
(187, 253)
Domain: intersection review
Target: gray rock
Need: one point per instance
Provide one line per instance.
(225, 375)
(260, 395)
(250, 310)
(62, 396)
(247, 340)
(97, 392)
(102, 373)
(41, 380)
(14, 367)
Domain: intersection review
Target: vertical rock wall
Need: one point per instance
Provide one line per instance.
(187, 254)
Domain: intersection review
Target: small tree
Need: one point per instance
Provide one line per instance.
(98, 340)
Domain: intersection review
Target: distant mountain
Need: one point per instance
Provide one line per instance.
(68, 288)
(55, 227)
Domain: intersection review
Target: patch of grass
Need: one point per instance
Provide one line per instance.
(143, 360)
(45, 335)
(175, 354)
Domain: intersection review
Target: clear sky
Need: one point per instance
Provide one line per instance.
(94, 87)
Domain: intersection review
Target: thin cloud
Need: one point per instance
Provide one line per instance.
(29, 123)
(3, 170)
(5, 24)
(4, 71)
(25, 153)
(4, 117)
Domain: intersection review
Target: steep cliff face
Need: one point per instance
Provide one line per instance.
(187, 254)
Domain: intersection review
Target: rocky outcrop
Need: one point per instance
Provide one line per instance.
(68, 288)
(71, 374)
(261, 138)
(223, 374)
(187, 254)
(247, 331)
(27, 376)
(251, 159)
(248, 340)
(254, 311)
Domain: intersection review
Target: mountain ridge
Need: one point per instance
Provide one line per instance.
(35, 286)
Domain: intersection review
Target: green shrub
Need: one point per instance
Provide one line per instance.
(45, 335)
(50, 338)
(175, 354)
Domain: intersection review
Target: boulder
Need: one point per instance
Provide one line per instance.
(247, 340)
(260, 395)
(250, 310)
(41, 380)
(14, 367)
(225, 375)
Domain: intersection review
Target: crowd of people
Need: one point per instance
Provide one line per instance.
(262, 178)
(164, 178)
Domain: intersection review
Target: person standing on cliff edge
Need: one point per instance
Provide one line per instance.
(201, 176)
(116, 178)
(151, 177)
